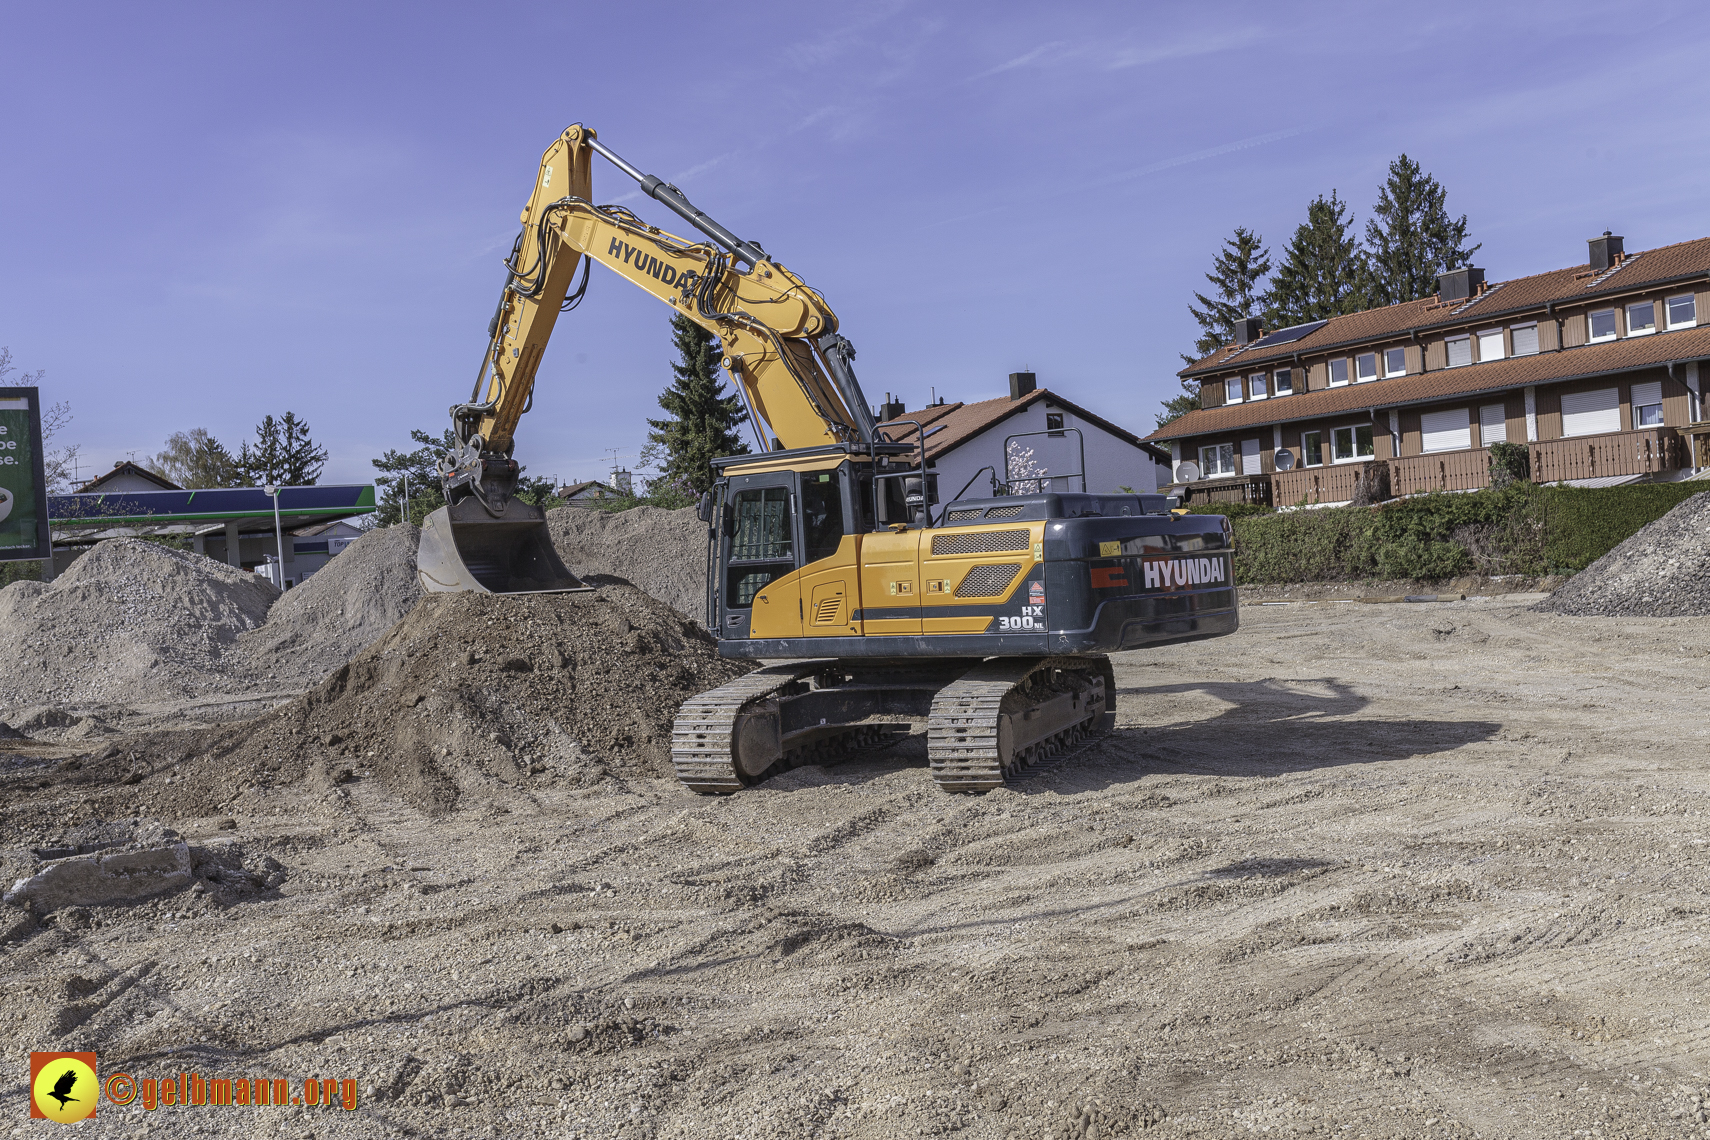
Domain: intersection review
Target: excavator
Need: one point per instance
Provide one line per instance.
(828, 557)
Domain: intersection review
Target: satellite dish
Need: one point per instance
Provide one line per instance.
(1285, 459)
(1187, 471)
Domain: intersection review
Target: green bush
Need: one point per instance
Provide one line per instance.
(1519, 529)
(1582, 524)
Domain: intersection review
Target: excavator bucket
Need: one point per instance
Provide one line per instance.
(465, 548)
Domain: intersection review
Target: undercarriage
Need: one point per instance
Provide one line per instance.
(985, 719)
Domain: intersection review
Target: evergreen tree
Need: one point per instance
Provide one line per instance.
(1178, 406)
(703, 423)
(1412, 238)
(414, 470)
(1323, 272)
(1236, 273)
(283, 454)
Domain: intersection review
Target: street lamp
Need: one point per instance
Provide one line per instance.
(278, 538)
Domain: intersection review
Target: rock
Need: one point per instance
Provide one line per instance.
(226, 824)
(7, 732)
(578, 1034)
(85, 880)
(15, 922)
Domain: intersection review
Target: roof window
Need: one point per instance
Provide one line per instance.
(1395, 362)
(1682, 311)
(1460, 351)
(1524, 339)
(1641, 318)
(1602, 325)
(1365, 366)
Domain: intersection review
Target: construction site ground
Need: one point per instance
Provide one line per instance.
(1358, 871)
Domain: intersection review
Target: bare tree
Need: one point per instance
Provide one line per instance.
(59, 462)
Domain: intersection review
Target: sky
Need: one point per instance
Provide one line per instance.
(211, 212)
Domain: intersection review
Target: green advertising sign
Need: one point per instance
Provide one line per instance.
(23, 498)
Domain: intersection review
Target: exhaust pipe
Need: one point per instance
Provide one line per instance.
(465, 549)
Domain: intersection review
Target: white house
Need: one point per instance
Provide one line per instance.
(1033, 441)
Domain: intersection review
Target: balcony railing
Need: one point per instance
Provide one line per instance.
(1440, 471)
(1253, 489)
(1316, 484)
(1647, 451)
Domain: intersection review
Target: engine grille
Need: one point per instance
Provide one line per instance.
(988, 581)
(964, 516)
(1002, 512)
(828, 611)
(981, 542)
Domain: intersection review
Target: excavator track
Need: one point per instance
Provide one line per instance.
(728, 738)
(1001, 716)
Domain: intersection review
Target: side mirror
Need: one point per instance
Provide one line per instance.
(704, 507)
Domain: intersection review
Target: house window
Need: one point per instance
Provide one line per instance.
(1460, 351)
(1312, 449)
(1647, 404)
(1591, 413)
(1490, 345)
(1395, 362)
(1642, 318)
(1285, 381)
(1525, 338)
(1256, 387)
(1492, 425)
(1350, 444)
(1054, 423)
(1234, 390)
(1218, 459)
(1602, 325)
(1365, 366)
(1445, 431)
(1338, 371)
(1682, 312)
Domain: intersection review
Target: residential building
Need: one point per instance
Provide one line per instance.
(1035, 440)
(127, 476)
(1595, 368)
(585, 494)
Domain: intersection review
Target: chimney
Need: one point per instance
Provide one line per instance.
(1247, 330)
(1021, 383)
(623, 481)
(890, 409)
(1459, 284)
(1605, 251)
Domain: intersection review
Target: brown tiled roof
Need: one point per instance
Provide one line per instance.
(1545, 367)
(1646, 267)
(961, 422)
(126, 467)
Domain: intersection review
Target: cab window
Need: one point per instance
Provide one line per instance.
(822, 515)
(763, 546)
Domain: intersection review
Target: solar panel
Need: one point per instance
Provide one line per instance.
(1284, 336)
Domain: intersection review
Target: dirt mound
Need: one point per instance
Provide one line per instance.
(129, 621)
(470, 694)
(1662, 571)
(341, 610)
(663, 552)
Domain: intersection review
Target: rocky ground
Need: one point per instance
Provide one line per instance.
(1361, 871)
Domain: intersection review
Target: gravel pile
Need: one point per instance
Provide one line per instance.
(130, 621)
(663, 552)
(1662, 571)
(341, 610)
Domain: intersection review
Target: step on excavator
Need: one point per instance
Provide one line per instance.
(828, 557)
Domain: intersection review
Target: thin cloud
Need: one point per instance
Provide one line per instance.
(1031, 57)
(1199, 156)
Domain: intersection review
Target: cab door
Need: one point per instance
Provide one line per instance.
(830, 583)
(761, 590)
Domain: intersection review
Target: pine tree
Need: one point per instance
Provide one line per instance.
(1236, 273)
(283, 454)
(1178, 406)
(415, 472)
(1323, 271)
(703, 423)
(1416, 239)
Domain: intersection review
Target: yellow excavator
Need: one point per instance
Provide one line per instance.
(828, 554)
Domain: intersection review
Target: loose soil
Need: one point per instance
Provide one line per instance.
(1358, 871)
(663, 552)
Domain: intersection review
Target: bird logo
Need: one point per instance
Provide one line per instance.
(63, 1086)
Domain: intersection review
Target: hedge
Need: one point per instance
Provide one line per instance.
(1519, 529)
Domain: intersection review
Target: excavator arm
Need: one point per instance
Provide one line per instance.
(780, 340)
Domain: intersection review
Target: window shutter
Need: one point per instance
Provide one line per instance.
(1250, 462)
(1211, 394)
(1492, 424)
(1446, 431)
(1460, 352)
(1526, 340)
(1490, 345)
(1647, 393)
(1591, 413)
(1434, 356)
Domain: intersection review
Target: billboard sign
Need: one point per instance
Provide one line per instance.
(23, 483)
